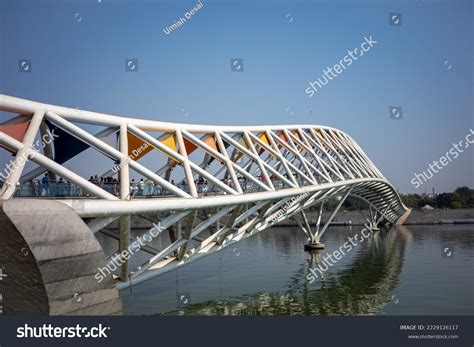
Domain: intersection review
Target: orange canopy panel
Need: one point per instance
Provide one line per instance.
(242, 142)
(264, 139)
(190, 147)
(170, 142)
(297, 135)
(17, 131)
(208, 140)
(283, 136)
(137, 147)
(211, 142)
(319, 134)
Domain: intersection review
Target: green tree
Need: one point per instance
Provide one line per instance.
(410, 200)
(456, 204)
(464, 196)
(444, 200)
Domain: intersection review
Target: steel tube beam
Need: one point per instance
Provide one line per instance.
(334, 213)
(22, 155)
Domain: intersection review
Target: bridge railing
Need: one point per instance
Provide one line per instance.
(42, 189)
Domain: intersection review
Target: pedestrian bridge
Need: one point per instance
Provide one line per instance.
(207, 186)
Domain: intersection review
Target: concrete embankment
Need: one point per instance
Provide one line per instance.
(448, 216)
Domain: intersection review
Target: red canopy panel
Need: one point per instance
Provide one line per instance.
(17, 131)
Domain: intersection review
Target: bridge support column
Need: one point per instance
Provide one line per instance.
(313, 239)
(125, 194)
(53, 263)
(374, 219)
(48, 150)
(315, 243)
(373, 223)
(124, 243)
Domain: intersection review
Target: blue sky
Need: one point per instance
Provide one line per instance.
(78, 50)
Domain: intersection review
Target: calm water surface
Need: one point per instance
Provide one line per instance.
(414, 270)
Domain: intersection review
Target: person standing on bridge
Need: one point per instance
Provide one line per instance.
(45, 185)
(60, 188)
(150, 188)
(141, 187)
(32, 186)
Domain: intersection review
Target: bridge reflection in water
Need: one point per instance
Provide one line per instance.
(362, 282)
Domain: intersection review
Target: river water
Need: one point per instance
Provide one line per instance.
(407, 270)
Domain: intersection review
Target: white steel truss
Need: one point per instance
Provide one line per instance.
(254, 177)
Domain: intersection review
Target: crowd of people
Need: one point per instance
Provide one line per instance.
(47, 187)
(50, 186)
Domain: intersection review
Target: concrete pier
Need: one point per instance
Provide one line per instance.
(49, 258)
(314, 246)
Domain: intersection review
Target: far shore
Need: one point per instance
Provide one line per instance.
(417, 217)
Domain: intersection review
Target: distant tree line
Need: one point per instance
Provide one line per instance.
(462, 197)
